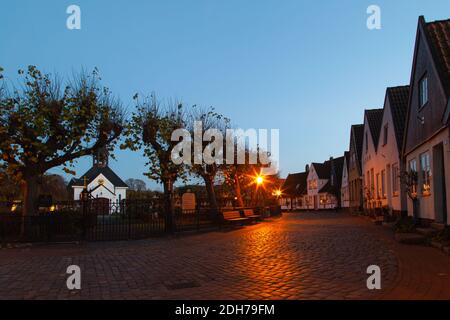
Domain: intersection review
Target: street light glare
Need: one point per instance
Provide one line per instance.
(259, 180)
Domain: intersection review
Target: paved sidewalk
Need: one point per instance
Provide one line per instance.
(300, 256)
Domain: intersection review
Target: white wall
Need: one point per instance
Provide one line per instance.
(426, 203)
(102, 192)
(368, 159)
(345, 192)
(386, 156)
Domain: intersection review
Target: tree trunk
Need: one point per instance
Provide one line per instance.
(30, 205)
(237, 189)
(211, 194)
(169, 225)
(30, 196)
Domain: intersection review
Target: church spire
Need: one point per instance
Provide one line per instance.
(100, 158)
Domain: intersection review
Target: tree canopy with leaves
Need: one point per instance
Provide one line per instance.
(45, 123)
(150, 130)
(210, 119)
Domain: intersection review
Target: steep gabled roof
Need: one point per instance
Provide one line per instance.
(346, 160)
(398, 101)
(357, 139)
(438, 33)
(295, 184)
(338, 165)
(322, 169)
(94, 172)
(374, 119)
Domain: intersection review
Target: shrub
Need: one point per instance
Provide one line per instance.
(405, 225)
(443, 236)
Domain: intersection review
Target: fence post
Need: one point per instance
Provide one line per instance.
(129, 224)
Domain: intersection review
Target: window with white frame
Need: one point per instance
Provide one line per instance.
(413, 170)
(378, 186)
(383, 183)
(425, 173)
(423, 91)
(395, 178)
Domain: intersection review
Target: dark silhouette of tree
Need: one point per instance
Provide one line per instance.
(210, 119)
(150, 130)
(136, 185)
(45, 123)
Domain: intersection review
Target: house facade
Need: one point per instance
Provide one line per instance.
(389, 164)
(294, 192)
(426, 146)
(355, 179)
(345, 191)
(324, 184)
(372, 125)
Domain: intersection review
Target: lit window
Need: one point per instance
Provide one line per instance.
(378, 186)
(426, 173)
(395, 178)
(423, 91)
(413, 169)
(372, 184)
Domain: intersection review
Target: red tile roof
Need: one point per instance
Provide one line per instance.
(439, 36)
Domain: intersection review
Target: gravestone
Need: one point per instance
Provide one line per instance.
(188, 201)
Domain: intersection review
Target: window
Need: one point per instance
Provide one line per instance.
(385, 135)
(378, 186)
(413, 169)
(425, 173)
(312, 184)
(395, 177)
(372, 184)
(383, 183)
(423, 91)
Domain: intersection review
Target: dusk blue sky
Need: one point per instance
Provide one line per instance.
(308, 68)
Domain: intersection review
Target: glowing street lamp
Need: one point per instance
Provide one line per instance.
(259, 180)
(277, 193)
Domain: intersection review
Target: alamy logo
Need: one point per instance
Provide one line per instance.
(374, 20)
(374, 280)
(74, 280)
(233, 146)
(73, 21)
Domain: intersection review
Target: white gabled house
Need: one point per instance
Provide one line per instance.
(101, 182)
(324, 184)
(389, 162)
(371, 178)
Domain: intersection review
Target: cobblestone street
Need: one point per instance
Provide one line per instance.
(300, 256)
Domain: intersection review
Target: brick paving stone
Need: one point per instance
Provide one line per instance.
(300, 256)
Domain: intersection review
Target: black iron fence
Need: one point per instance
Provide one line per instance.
(97, 220)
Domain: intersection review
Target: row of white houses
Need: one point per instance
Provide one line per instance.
(409, 135)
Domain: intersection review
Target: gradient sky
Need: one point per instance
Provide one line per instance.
(304, 67)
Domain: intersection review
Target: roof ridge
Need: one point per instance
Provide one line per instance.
(437, 21)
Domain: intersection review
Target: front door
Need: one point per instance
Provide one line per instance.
(440, 201)
(315, 202)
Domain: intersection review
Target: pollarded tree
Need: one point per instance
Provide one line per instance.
(211, 125)
(150, 130)
(45, 125)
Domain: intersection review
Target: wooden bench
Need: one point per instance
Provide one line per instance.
(249, 213)
(234, 217)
